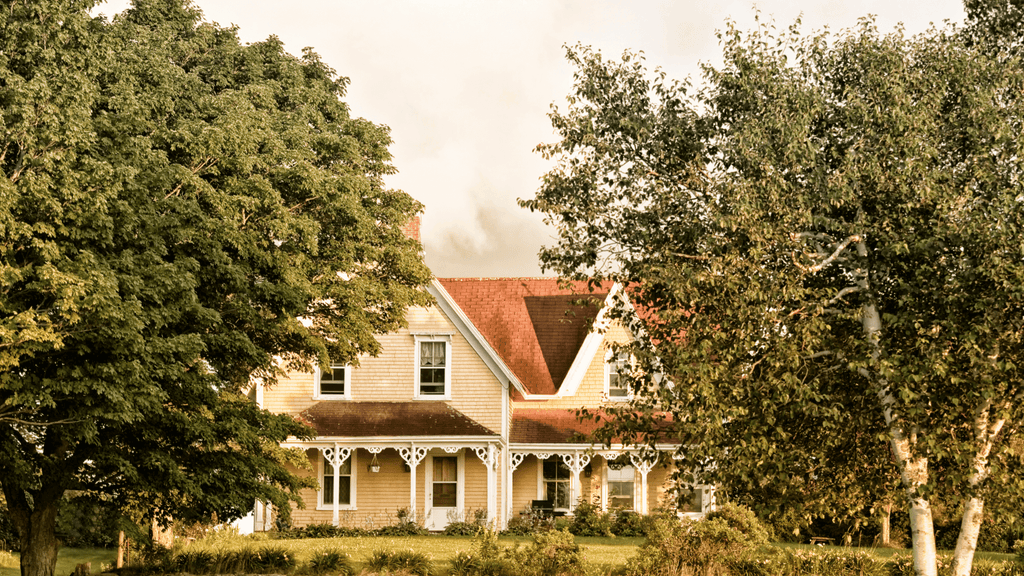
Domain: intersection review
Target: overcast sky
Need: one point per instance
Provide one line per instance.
(466, 87)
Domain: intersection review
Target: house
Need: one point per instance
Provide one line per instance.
(471, 408)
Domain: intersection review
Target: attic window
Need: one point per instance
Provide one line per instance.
(616, 377)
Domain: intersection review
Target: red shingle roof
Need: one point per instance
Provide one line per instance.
(535, 327)
(364, 419)
(538, 426)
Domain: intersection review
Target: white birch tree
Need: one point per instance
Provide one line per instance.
(825, 244)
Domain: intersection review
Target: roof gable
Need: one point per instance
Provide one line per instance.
(536, 327)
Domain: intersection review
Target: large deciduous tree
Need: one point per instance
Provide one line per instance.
(180, 215)
(824, 242)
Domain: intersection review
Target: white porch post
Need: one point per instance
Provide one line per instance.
(576, 463)
(412, 456)
(644, 465)
(514, 461)
(336, 456)
(489, 456)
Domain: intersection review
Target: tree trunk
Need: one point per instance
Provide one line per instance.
(967, 542)
(886, 525)
(922, 535)
(38, 538)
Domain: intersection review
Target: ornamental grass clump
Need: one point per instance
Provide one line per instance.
(552, 553)
(407, 561)
(329, 561)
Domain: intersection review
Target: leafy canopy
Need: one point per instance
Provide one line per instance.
(180, 215)
(813, 185)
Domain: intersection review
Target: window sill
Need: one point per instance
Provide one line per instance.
(329, 507)
(428, 397)
(331, 397)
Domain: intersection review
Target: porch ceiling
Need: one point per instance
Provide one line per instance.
(375, 419)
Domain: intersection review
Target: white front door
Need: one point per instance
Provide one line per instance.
(444, 491)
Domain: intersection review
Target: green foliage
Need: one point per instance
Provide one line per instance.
(462, 529)
(408, 561)
(264, 559)
(743, 520)
(1018, 548)
(84, 522)
(551, 553)
(824, 243)
(589, 520)
(172, 202)
(631, 524)
(673, 545)
(330, 561)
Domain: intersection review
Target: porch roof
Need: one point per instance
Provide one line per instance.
(376, 419)
(553, 426)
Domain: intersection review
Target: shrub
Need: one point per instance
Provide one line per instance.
(1018, 547)
(743, 520)
(462, 529)
(631, 524)
(589, 520)
(551, 553)
(529, 522)
(330, 560)
(324, 530)
(194, 561)
(393, 561)
(673, 546)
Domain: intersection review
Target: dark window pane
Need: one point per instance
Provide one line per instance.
(555, 469)
(444, 494)
(333, 381)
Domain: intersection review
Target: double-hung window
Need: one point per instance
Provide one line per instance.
(344, 482)
(556, 478)
(620, 487)
(334, 384)
(433, 368)
(616, 376)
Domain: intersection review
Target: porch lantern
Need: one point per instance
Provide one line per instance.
(374, 465)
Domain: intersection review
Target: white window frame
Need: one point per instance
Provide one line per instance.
(707, 498)
(447, 341)
(605, 487)
(610, 359)
(324, 468)
(542, 488)
(318, 375)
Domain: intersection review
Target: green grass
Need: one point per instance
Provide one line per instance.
(68, 558)
(606, 552)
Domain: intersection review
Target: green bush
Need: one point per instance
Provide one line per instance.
(674, 546)
(631, 524)
(589, 520)
(330, 560)
(553, 553)
(743, 520)
(386, 561)
(325, 530)
(1018, 547)
(462, 529)
(194, 561)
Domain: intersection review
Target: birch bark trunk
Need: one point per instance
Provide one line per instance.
(913, 470)
(970, 526)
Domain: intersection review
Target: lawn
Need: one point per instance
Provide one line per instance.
(68, 558)
(607, 552)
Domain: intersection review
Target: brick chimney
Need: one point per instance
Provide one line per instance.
(412, 228)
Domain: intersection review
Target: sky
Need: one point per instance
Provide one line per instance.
(466, 85)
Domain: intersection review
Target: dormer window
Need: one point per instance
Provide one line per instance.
(335, 383)
(617, 377)
(433, 368)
